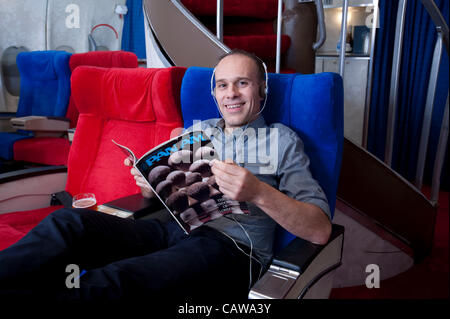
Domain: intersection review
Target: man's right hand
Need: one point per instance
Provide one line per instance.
(140, 181)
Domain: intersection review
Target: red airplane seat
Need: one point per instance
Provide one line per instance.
(104, 59)
(55, 150)
(137, 107)
(14, 226)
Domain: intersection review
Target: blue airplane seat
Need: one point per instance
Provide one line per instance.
(311, 105)
(44, 91)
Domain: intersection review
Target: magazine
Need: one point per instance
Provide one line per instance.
(179, 173)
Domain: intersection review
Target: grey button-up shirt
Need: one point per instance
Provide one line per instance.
(274, 154)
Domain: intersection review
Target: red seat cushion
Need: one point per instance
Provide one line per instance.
(42, 150)
(104, 59)
(15, 225)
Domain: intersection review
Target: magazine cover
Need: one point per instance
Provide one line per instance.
(179, 173)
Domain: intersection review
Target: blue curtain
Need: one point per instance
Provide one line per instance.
(416, 60)
(133, 36)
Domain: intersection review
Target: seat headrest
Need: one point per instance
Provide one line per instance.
(136, 94)
(104, 59)
(43, 65)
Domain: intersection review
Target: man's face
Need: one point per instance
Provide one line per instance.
(238, 90)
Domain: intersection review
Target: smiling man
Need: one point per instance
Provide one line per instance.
(278, 188)
(240, 89)
(123, 258)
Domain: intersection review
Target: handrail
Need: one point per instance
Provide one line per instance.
(375, 23)
(395, 75)
(442, 29)
(438, 20)
(168, 20)
(343, 38)
(442, 41)
(278, 53)
(440, 154)
(321, 24)
(219, 20)
(428, 113)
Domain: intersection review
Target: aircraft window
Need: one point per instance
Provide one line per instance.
(65, 48)
(10, 71)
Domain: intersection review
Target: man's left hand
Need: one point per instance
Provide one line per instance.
(235, 182)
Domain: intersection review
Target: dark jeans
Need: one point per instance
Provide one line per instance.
(122, 258)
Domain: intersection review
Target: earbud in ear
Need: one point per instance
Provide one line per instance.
(263, 91)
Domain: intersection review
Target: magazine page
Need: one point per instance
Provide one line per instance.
(126, 151)
(179, 172)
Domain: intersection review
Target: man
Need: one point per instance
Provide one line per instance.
(125, 258)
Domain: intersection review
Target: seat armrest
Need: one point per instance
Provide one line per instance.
(31, 172)
(132, 206)
(299, 266)
(42, 125)
(30, 188)
(299, 253)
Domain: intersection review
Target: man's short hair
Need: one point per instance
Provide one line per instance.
(258, 61)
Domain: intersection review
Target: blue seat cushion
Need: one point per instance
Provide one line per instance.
(44, 83)
(7, 141)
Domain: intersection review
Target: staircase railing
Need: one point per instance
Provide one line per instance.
(316, 45)
(442, 39)
(196, 47)
(219, 22)
(401, 208)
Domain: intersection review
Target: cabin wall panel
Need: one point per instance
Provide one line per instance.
(22, 23)
(45, 25)
(30, 193)
(63, 33)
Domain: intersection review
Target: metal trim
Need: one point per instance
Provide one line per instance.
(318, 277)
(278, 52)
(31, 172)
(370, 76)
(155, 54)
(219, 20)
(167, 17)
(343, 38)
(395, 75)
(198, 24)
(321, 24)
(440, 156)
(428, 112)
(438, 19)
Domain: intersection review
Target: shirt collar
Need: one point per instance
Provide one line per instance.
(258, 123)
